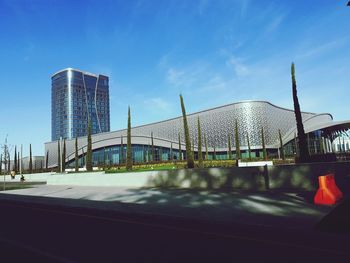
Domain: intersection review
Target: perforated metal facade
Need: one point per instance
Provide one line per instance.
(216, 124)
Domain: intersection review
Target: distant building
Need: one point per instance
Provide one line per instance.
(76, 96)
(216, 124)
(38, 163)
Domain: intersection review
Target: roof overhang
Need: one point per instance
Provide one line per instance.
(330, 129)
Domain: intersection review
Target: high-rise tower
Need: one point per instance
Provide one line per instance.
(77, 96)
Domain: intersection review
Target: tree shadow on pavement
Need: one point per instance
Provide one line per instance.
(268, 207)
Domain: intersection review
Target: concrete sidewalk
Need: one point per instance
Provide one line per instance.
(277, 209)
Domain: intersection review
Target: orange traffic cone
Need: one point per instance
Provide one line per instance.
(334, 188)
(328, 192)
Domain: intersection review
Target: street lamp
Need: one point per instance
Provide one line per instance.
(60, 157)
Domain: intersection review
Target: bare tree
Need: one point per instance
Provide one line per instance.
(6, 149)
(5, 160)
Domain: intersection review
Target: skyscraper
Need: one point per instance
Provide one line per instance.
(77, 96)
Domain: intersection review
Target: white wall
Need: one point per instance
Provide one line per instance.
(39, 177)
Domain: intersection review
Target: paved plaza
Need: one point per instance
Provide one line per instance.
(287, 210)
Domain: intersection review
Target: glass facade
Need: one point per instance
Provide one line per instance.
(317, 143)
(116, 155)
(76, 96)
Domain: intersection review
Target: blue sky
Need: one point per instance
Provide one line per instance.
(213, 52)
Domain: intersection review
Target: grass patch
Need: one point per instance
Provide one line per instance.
(170, 166)
(142, 168)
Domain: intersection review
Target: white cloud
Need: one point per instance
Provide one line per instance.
(188, 76)
(238, 66)
(274, 24)
(164, 61)
(216, 83)
(157, 104)
(175, 77)
(323, 48)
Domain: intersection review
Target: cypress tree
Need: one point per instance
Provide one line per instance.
(180, 151)
(189, 156)
(128, 146)
(89, 149)
(30, 159)
(238, 148)
(281, 145)
(229, 147)
(148, 153)
(206, 148)
(214, 155)
(64, 155)
(304, 155)
(83, 157)
(47, 161)
(249, 150)
(15, 160)
(153, 150)
(200, 156)
(18, 166)
(171, 152)
(193, 149)
(121, 150)
(344, 145)
(144, 155)
(263, 144)
(0, 163)
(9, 163)
(58, 157)
(76, 156)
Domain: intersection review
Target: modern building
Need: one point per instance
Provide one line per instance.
(217, 125)
(38, 163)
(77, 96)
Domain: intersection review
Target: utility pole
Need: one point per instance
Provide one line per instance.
(20, 162)
(61, 155)
(4, 186)
(5, 162)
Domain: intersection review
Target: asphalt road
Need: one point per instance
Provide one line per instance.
(52, 233)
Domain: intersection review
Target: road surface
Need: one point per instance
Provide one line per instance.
(53, 233)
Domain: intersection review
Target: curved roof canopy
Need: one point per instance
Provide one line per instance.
(331, 129)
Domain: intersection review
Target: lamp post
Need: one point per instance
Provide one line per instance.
(60, 155)
(4, 186)
(5, 161)
(20, 162)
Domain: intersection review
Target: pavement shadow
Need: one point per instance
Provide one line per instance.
(253, 207)
(268, 207)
